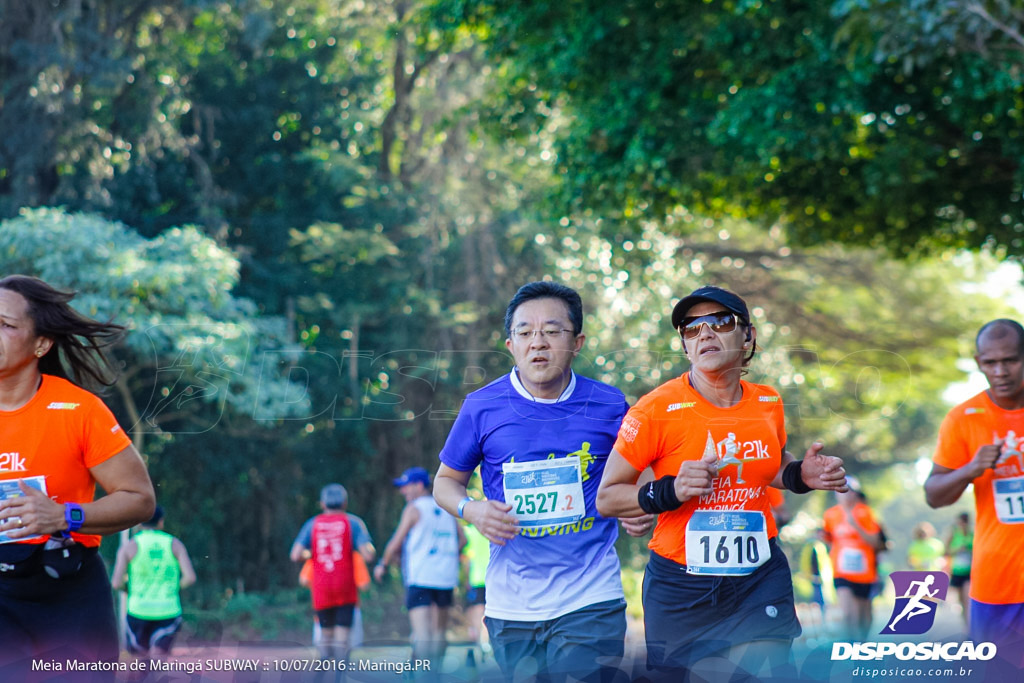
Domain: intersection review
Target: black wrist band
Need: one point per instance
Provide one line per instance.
(793, 480)
(659, 495)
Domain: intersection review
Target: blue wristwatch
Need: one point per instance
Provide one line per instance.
(74, 516)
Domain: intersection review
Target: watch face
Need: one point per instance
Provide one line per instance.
(76, 515)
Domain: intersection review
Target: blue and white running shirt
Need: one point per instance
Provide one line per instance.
(545, 571)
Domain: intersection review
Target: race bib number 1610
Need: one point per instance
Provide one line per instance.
(726, 542)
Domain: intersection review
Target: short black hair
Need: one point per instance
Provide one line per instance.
(158, 516)
(1002, 322)
(546, 290)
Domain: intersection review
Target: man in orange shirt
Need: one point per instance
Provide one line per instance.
(854, 536)
(978, 445)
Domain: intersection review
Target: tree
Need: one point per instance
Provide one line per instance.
(767, 111)
(199, 364)
(860, 345)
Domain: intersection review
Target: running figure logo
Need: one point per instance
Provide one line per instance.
(917, 597)
(726, 450)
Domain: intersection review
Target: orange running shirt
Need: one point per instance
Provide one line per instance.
(60, 433)
(996, 576)
(852, 558)
(674, 423)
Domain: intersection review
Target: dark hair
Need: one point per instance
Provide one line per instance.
(78, 342)
(158, 515)
(1002, 322)
(546, 290)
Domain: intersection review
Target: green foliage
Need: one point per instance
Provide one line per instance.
(190, 337)
(861, 346)
(757, 110)
(312, 214)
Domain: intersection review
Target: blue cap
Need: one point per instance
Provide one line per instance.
(710, 293)
(413, 474)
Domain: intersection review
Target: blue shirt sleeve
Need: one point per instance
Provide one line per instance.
(305, 537)
(462, 450)
(360, 536)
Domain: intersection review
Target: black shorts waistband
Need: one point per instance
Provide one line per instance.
(20, 560)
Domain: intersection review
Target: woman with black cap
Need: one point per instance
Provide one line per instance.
(855, 538)
(717, 584)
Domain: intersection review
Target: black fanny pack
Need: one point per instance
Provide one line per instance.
(56, 558)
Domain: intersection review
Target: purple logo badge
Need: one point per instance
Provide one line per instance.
(917, 597)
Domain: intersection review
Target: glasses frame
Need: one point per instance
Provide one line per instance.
(548, 335)
(702, 320)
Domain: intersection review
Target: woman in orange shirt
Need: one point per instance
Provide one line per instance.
(57, 442)
(855, 539)
(717, 583)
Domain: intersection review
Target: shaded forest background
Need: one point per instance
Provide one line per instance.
(312, 214)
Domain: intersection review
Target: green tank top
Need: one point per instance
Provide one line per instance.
(154, 577)
(478, 549)
(960, 547)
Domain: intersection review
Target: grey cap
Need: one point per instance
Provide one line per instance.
(333, 496)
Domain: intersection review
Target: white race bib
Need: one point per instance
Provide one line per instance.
(726, 542)
(9, 489)
(544, 492)
(852, 561)
(1009, 499)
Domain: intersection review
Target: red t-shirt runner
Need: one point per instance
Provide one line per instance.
(334, 582)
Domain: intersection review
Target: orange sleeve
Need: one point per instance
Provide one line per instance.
(952, 450)
(361, 572)
(103, 436)
(827, 522)
(864, 517)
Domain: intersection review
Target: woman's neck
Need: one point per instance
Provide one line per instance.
(722, 390)
(17, 390)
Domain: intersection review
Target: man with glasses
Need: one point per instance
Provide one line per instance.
(718, 596)
(541, 436)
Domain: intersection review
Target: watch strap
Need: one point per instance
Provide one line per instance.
(75, 518)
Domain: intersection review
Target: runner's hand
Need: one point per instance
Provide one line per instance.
(31, 514)
(637, 526)
(987, 457)
(695, 476)
(823, 472)
(491, 518)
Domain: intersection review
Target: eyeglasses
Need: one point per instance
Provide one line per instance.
(547, 334)
(719, 323)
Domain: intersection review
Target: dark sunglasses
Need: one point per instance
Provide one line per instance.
(719, 323)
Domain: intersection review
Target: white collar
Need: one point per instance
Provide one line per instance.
(521, 390)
